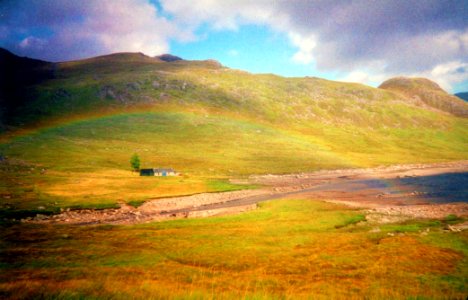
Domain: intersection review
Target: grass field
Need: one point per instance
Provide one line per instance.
(288, 249)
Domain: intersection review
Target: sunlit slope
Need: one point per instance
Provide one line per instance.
(192, 143)
(223, 145)
(82, 123)
(352, 122)
(121, 82)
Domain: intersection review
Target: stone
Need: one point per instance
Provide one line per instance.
(133, 86)
(40, 217)
(163, 96)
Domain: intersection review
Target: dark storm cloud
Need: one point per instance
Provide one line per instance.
(62, 30)
(27, 14)
(402, 34)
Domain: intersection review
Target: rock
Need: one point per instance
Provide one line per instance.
(163, 96)
(156, 84)
(40, 217)
(452, 228)
(60, 95)
(107, 92)
(461, 227)
(41, 207)
(133, 86)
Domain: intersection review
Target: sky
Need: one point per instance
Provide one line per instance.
(365, 41)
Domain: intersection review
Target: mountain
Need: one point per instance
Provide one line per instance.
(427, 92)
(168, 57)
(463, 95)
(70, 131)
(16, 75)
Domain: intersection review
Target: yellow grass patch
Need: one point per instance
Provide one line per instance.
(287, 249)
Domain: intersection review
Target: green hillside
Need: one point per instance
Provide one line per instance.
(68, 135)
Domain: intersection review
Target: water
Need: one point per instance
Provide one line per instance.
(442, 188)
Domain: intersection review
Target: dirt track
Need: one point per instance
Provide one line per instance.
(409, 190)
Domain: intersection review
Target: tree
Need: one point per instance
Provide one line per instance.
(135, 162)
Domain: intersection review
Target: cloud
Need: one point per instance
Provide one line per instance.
(219, 15)
(32, 42)
(63, 30)
(305, 46)
(374, 37)
(448, 74)
(356, 76)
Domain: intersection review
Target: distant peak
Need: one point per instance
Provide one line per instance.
(463, 95)
(5, 52)
(428, 93)
(410, 83)
(168, 57)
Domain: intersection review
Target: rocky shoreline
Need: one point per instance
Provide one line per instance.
(321, 185)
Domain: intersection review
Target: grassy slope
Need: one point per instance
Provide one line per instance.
(286, 250)
(210, 123)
